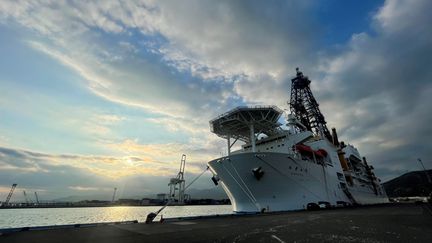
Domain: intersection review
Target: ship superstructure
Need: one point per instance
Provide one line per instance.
(290, 167)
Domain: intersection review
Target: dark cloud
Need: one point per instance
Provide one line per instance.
(380, 88)
(55, 180)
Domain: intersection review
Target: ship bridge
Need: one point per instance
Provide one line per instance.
(242, 123)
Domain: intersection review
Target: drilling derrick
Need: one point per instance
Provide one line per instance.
(305, 108)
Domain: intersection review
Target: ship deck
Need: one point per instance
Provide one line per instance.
(380, 223)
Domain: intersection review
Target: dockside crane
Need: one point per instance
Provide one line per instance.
(37, 198)
(180, 182)
(10, 194)
(172, 199)
(25, 197)
(113, 197)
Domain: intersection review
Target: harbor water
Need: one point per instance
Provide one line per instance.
(26, 217)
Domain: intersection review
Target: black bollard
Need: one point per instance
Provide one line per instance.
(150, 218)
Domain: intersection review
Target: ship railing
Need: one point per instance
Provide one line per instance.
(247, 107)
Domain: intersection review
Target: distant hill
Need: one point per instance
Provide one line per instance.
(77, 198)
(411, 184)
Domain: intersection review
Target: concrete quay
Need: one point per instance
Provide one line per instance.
(380, 223)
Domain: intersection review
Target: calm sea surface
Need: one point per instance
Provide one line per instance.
(13, 218)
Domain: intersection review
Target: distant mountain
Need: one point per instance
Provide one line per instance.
(411, 184)
(75, 198)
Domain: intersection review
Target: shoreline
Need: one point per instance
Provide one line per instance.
(103, 205)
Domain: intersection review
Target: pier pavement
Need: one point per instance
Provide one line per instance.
(381, 223)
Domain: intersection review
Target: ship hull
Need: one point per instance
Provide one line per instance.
(286, 184)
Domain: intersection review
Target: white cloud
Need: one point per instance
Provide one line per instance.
(397, 16)
(190, 60)
(211, 44)
(113, 167)
(83, 188)
(65, 175)
(229, 37)
(205, 39)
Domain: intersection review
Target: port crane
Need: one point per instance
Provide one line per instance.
(37, 198)
(179, 180)
(10, 194)
(25, 197)
(178, 183)
(113, 197)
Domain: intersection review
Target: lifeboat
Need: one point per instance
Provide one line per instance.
(321, 153)
(304, 149)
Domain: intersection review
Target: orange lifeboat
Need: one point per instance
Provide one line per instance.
(320, 153)
(304, 149)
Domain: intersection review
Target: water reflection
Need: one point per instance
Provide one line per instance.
(10, 218)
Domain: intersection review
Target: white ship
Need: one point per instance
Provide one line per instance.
(292, 167)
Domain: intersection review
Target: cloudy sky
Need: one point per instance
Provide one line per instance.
(103, 94)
